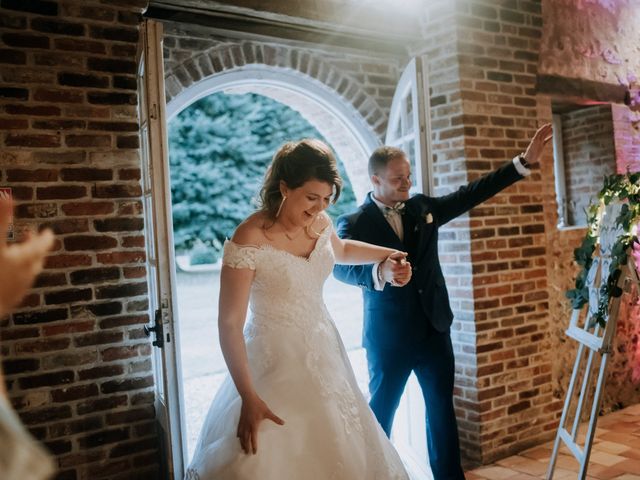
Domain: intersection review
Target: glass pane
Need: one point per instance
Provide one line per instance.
(408, 103)
(397, 130)
(410, 149)
(144, 152)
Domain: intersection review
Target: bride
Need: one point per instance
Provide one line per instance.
(291, 408)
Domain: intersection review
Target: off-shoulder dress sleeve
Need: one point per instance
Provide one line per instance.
(239, 256)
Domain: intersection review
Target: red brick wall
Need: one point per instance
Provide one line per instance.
(77, 361)
(589, 156)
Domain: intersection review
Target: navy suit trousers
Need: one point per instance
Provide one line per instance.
(432, 360)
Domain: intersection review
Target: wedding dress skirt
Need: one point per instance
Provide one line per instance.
(299, 367)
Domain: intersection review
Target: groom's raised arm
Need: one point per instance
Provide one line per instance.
(359, 275)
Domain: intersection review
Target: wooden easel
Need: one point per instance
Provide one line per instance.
(592, 340)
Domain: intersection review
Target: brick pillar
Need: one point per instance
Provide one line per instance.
(450, 172)
(498, 47)
(483, 60)
(77, 361)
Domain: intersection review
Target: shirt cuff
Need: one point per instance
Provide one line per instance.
(522, 170)
(377, 284)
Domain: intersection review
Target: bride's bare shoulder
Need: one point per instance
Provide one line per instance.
(322, 221)
(251, 230)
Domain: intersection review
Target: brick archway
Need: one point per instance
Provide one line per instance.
(345, 94)
(348, 133)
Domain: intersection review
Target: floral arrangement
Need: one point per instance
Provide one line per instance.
(624, 188)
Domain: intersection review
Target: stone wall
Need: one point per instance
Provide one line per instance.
(77, 362)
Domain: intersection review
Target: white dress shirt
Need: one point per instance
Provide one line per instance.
(395, 222)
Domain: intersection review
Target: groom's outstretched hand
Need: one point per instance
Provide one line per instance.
(534, 151)
(396, 269)
(253, 411)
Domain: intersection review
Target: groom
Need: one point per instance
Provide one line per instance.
(406, 328)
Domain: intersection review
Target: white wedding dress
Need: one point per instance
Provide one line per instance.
(300, 369)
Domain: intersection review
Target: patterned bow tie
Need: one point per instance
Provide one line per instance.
(398, 209)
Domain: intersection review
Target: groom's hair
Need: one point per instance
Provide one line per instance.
(381, 156)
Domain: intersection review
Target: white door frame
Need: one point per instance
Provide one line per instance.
(159, 238)
(409, 128)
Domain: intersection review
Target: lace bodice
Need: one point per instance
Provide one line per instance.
(296, 282)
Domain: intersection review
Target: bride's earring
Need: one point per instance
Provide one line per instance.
(284, 197)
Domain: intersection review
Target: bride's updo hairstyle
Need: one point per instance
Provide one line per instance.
(296, 163)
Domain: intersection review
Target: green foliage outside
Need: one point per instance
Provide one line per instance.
(219, 150)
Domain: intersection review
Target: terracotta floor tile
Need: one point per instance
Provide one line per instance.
(495, 472)
(602, 472)
(632, 453)
(567, 462)
(615, 448)
(473, 476)
(603, 458)
(511, 461)
(613, 437)
(538, 453)
(562, 474)
(523, 476)
(630, 466)
(615, 454)
(532, 467)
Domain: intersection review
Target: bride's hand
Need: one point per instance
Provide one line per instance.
(253, 411)
(396, 269)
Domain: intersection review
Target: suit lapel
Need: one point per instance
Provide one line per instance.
(421, 230)
(374, 213)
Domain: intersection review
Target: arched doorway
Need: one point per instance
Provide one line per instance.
(348, 111)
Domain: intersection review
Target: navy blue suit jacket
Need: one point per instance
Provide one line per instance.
(400, 316)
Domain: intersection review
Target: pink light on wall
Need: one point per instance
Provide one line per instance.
(626, 132)
(634, 315)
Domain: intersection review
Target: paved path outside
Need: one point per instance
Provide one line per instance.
(203, 367)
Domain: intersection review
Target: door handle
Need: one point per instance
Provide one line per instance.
(157, 329)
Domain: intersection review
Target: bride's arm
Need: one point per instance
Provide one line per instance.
(235, 285)
(355, 252)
